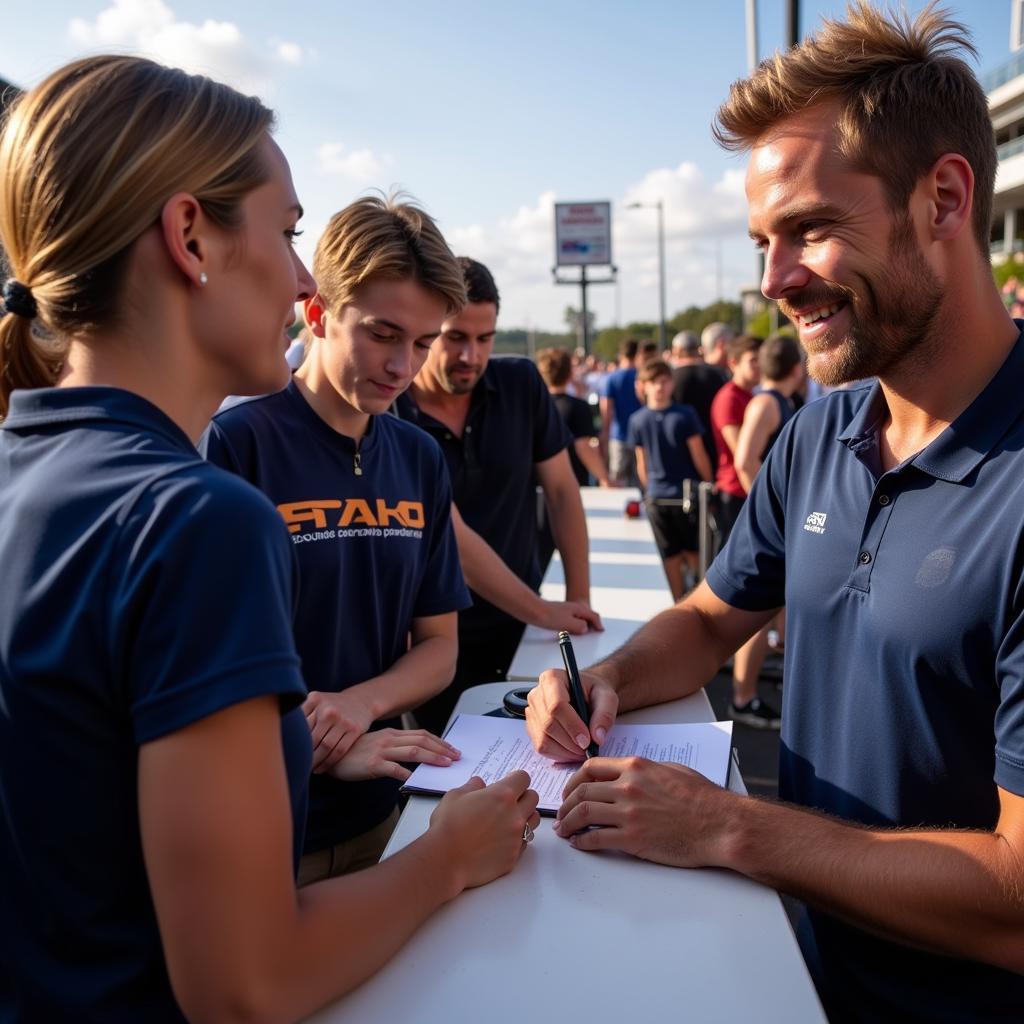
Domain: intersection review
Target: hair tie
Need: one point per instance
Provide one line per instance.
(18, 299)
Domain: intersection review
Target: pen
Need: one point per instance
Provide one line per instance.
(576, 695)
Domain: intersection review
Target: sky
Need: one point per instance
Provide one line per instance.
(488, 113)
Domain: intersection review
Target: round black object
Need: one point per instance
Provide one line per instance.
(515, 701)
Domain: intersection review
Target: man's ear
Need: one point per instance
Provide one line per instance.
(314, 310)
(950, 185)
(186, 236)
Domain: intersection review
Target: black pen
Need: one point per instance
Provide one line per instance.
(576, 696)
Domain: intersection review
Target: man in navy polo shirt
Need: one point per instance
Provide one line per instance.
(889, 518)
(501, 434)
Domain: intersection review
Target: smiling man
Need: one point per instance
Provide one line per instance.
(889, 518)
(367, 502)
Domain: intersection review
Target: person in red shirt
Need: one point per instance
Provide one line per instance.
(726, 419)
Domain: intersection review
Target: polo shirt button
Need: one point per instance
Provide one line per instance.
(469, 430)
(883, 499)
(447, 437)
(864, 557)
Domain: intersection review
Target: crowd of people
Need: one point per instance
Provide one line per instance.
(215, 615)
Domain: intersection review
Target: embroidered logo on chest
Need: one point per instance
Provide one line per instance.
(816, 522)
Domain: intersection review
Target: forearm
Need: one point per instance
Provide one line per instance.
(569, 528)
(590, 455)
(347, 928)
(677, 652)
(487, 575)
(746, 471)
(423, 671)
(960, 893)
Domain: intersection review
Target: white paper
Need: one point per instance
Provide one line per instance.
(493, 747)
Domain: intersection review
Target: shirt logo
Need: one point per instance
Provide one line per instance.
(815, 522)
(332, 518)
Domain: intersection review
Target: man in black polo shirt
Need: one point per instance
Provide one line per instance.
(501, 434)
(890, 519)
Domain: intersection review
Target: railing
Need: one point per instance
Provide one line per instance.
(1004, 73)
(1011, 148)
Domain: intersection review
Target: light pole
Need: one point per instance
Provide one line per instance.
(659, 206)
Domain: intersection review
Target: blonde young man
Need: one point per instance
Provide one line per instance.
(888, 518)
(367, 501)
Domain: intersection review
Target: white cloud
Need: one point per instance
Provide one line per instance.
(705, 239)
(290, 53)
(359, 165)
(215, 48)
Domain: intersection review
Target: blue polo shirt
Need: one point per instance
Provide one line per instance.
(904, 698)
(512, 425)
(141, 590)
(375, 550)
(620, 387)
(663, 434)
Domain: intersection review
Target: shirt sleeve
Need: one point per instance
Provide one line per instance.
(692, 423)
(581, 421)
(633, 434)
(1009, 721)
(443, 589)
(750, 571)
(202, 603)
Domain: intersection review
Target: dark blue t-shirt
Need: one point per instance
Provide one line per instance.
(142, 590)
(375, 550)
(663, 434)
(620, 387)
(904, 698)
(512, 425)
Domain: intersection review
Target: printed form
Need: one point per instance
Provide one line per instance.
(493, 747)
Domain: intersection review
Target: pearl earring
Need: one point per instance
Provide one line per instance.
(202, 277)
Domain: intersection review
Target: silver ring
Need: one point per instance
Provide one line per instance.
(527, 833)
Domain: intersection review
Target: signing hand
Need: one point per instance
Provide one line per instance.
(660, 812)
(556, 730)
(482, 826)
(380, 755)
(336, 721)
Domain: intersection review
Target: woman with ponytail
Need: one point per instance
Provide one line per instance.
(153, 752)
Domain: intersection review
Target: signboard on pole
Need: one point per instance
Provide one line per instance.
(583, 234)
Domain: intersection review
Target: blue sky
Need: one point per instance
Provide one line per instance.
(488, 113)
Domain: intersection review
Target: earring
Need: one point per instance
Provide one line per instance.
(202, 278)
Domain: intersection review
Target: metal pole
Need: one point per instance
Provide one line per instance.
(792, 22)
(661, 275)
(752, 47)
(583, 303)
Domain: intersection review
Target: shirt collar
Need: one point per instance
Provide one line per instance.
(43, 407)
(969, 439)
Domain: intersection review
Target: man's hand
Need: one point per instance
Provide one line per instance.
(336, 721)
(659, 812)
(382, 753)
(574, 617)
(482, 826)
(555, 728)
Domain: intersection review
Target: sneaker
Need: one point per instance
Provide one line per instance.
(756, 714)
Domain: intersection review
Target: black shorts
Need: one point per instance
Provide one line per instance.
(727, 511)
(674, 530)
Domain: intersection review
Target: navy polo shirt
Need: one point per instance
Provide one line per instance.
(663, 434)
(904, 698)
(142, 590)
(375, 550)
(512, 425)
